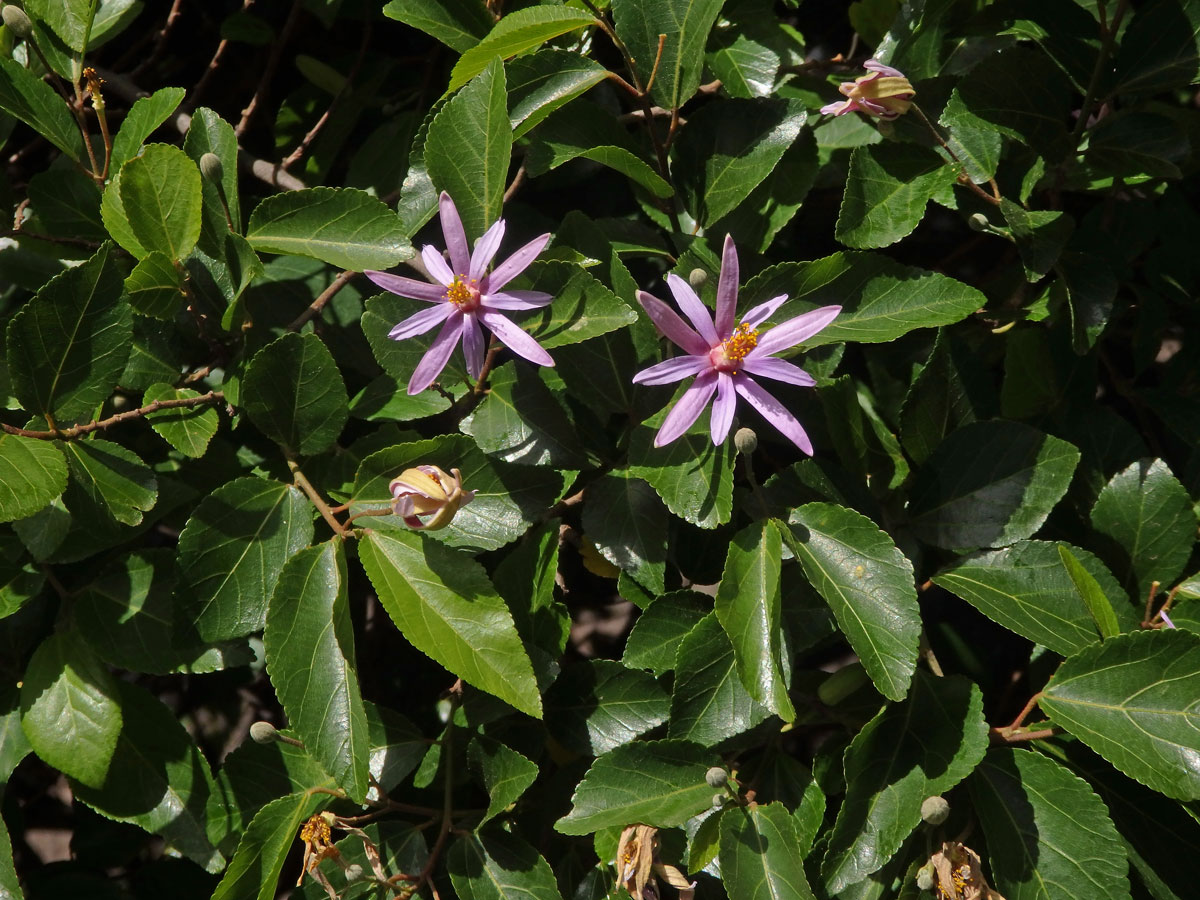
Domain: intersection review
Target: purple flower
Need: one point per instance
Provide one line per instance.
(884, 93)
(723, 357)
(465, 296)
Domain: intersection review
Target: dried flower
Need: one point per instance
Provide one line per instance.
(723, 357)
(638, 863)
(317, 835)
(884, 93)
(430, 492)
(960, 874)
(465, 296)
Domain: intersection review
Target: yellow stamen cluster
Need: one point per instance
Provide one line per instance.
(458, 291)
(316, 831)
(741, 342)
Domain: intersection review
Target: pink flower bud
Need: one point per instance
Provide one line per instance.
(427, 497)
(884, 93)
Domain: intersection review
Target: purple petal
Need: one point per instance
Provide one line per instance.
(794, 331)
(473, 345)
(672, 326)
(485, 249)
(672, 370)
(456, 237)
(773, 411)
(779, 370)
(874, 65)
(756, 315)
(515, 339)
(837, 108)
(516, 300)
(696, 311)
(405, 506)
(421, 322)
(436, 264)
(408, 287)
(722, 412)
(727, 288)
(517, 263)
(436, 357)
(688, 409)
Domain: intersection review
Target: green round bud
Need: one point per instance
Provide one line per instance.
(354, 872)
(17, 21)
(697, 277)
(716, 777)
(935, 810)
(263, 733)
(978, 222)
(720, 800)
(925, 877)
(745, 440)
(210, 167)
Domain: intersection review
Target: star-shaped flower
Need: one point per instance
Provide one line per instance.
(884, 93)
(465, 296)
(723, 357)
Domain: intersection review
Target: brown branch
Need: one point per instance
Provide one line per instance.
(193, 100)
(49, 238)
(269, 72)
(1108, 35)
(518, 180)
(1004, 736)
(1024, 713)
(66, 434)
(305, 485)
(662, 40)
(160, 40)
(963, 178)
(319, 304)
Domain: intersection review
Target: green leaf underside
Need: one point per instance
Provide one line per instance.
(505, 773)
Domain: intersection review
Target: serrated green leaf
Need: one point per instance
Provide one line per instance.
(1161, 48)
(468, 148)
(34, 102)
(32, 473)
(253, 873)
(397, 745)
(143, 118)
(459, 24)
(505, 773)
(1148, 525)
(658, 783)
(542, 82)
(445, 606)
(1048, 836)
(627, 522)
(1040, 236)
(160, 193)
(158, 779)
(186, 428)
(116, 219)
(80, 22)
(68, 345)
(747, 67)
(662, 625)
(880, 299)
(70, 709)
(344, 227)
(255, 774)
(583, 308)
(114, 478)
(521, 421)
(990, 484)
(1091, 593)
(868, 584)
(516, 32)
(10, 884)
(295, 394)
(155, 287)
(757, 856)
(309, 643)
(66, 201)
(887, 190)
(1132, 699)
(686, 24)
(1026, 589)
(232, 550)
(950, 391)
(499, 866)
(597, 705)
(911, 750)
(20, 582)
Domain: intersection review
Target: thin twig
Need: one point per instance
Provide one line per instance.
(963, 178)
(211, 69)
(518, 180)
(66, 434)
(1021, 716)
(1108, 35)
(160, 40)
(269, 72)
(50, 238)
(325, 296)
(1003, 736)
(318, 501)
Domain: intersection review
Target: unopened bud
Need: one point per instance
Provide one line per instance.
(978, 222)
(427, 497)
(264, 733)
(935, 810)
(925, 877)
(745, 440)
(17, 21)
(697, 277)
(719, 800)
(211, 168)
(716, 777)
(354, 872)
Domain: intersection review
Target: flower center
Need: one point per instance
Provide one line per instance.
(464, 293)
(734, 348)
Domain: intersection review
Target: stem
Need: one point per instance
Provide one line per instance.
(66, 434)
(213, 63)
(368, 512)
(322, 507)
(269, 72)
(662, 40)
(160, 40)
(1002, 736)
(1108, 34)
(447, 791)
(1021, 716)
(927, 654)
(319, 304)
(518, 180)
(963, 177)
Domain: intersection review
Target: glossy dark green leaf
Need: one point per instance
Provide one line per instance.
(10, 884)
(209, 133)
(1048, 836)
(868, 584)
(309, 642)
(253, 873)
(758, 856)
(659, 783)
(158, 779)
(232, 550)
(1040, 236)
(709, 703)
(521, 421)
(445, 606)
(911, 750)
(66, 201)
(468, 148)
(990, 484)
(627, 522)
(1148, 525)
(1132, 699)
(950, 391)
(160, 193)
(656, 634)
(70, 709)
(597, 705)
(499, 866)
(33, 101)
(887, 190)
(21, 580)
(880, 299)
(505, 773)
(748, 608)
(32, 473)
(459, 24)
(156, 287)
(542, 82)
(582, 308)
(68, 345)
(729, 147)
(517, 32)
(1093, 596)
(186, 428)
(82, 23)
(1026, 589)
(114, 478)
(143, 118)
(1137, 145)
(294, 393)
(746, 66)
(686, 24)
(1161, 48)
